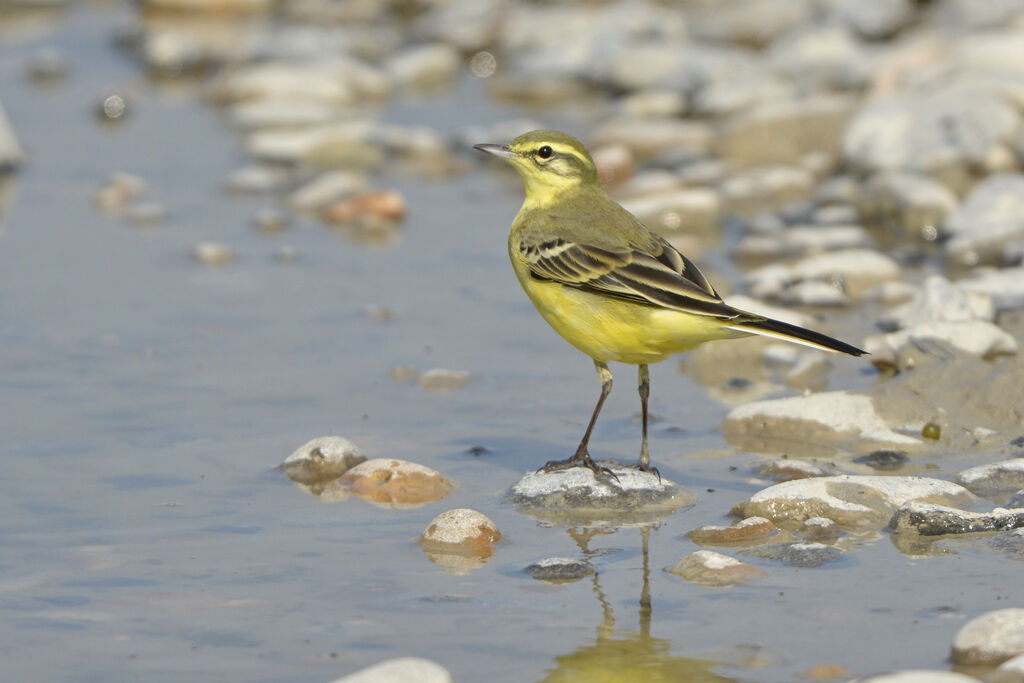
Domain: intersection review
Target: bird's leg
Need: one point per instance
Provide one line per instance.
(644, 463)
(582, 456)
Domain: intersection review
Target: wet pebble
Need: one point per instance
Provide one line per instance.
(257, 179)
(836, 417)
(112, 107)
(820, 529)
(385, 204)
(990, 639)
(289, 113)
(883, 459)
(709, 568)
(784, 131)
(1011, 543)
(326, 189)
(119, 190)
(405, 669)
(933, 519)
(851, 501)
(439, 379)
(47, 66)
(397, 483)
(322, 458)
(800, 240)
(786, 469)
(270, 221)
(798, 553)
(686, 209)
(743, 531)
(404, 373)
(997, 481)
(1010, 671)
(559, 569)
(460, 530)
(212, 253)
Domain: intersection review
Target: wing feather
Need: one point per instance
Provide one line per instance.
(657, 276)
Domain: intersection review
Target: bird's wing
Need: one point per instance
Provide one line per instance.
(657, 275)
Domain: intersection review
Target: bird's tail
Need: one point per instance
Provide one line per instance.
(752, 324)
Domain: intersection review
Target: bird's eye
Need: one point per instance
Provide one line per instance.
(545, 152)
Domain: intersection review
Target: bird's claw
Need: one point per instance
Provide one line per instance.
(579, 460)
(648, 468)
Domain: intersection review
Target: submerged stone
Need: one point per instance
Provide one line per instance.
(996, 481)
(397, 483)
(931, 519)
(559, 569)
(798, 553)
(576, 496)
(321, 459)
(714, 569)
(743, 531)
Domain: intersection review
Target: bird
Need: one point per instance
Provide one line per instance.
(609, 285)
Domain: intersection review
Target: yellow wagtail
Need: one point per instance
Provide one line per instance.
(607, 284)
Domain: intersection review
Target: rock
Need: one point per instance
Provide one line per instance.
(460, 530)
(784, 131)
(991, 216)
(396, 483)
(990, 639)
(1004, 287)
(438, 379)
(822, 57)
(559, 569)
(400, 670)
(801, 240)
(119, 190)
(46, 67)
(975, 337)
(1016, 500)
(806, 425)
(883, 459)
(11, 153)
(257, 179)
(820, 529)
(212, 253)
(425, 67)
(920, 676)
(266, 113)
(786, 469)
(340, 81)
(852, 501)
(692, 209)
(850, 271)
(113, 107)
(874, 19)
(648, 137)
(322, 458)
(753, 190)
(798, 553)
(386, 204)
(1010, 671)
(326, 189)
(931, 519)
(576, 496)
(270, 221)
(944, 132)
(906, 203)
(996, 481)
(743, 531)
(1010, 543)
(714, 569)
(939, 300)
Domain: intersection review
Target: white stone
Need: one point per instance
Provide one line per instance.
(322, 458)
(991, 638)
(991, 215)
(326, 189)
(400, 670)
(939, 300)
(920, 676)
(998, 478)
(976, 337)
(461, 526)
(857, 269)
(836, 411)
(848, 500)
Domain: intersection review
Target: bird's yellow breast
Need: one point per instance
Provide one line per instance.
(612, 329)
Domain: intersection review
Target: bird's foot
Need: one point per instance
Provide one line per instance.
(581, 459)
(646, 467)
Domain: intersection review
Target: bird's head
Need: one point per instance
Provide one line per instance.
(552, 164)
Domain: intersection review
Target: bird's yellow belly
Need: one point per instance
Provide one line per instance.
(610, 329)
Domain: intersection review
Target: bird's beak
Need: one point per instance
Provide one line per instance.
(497, 150)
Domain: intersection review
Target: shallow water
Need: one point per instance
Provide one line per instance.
(147, 399)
